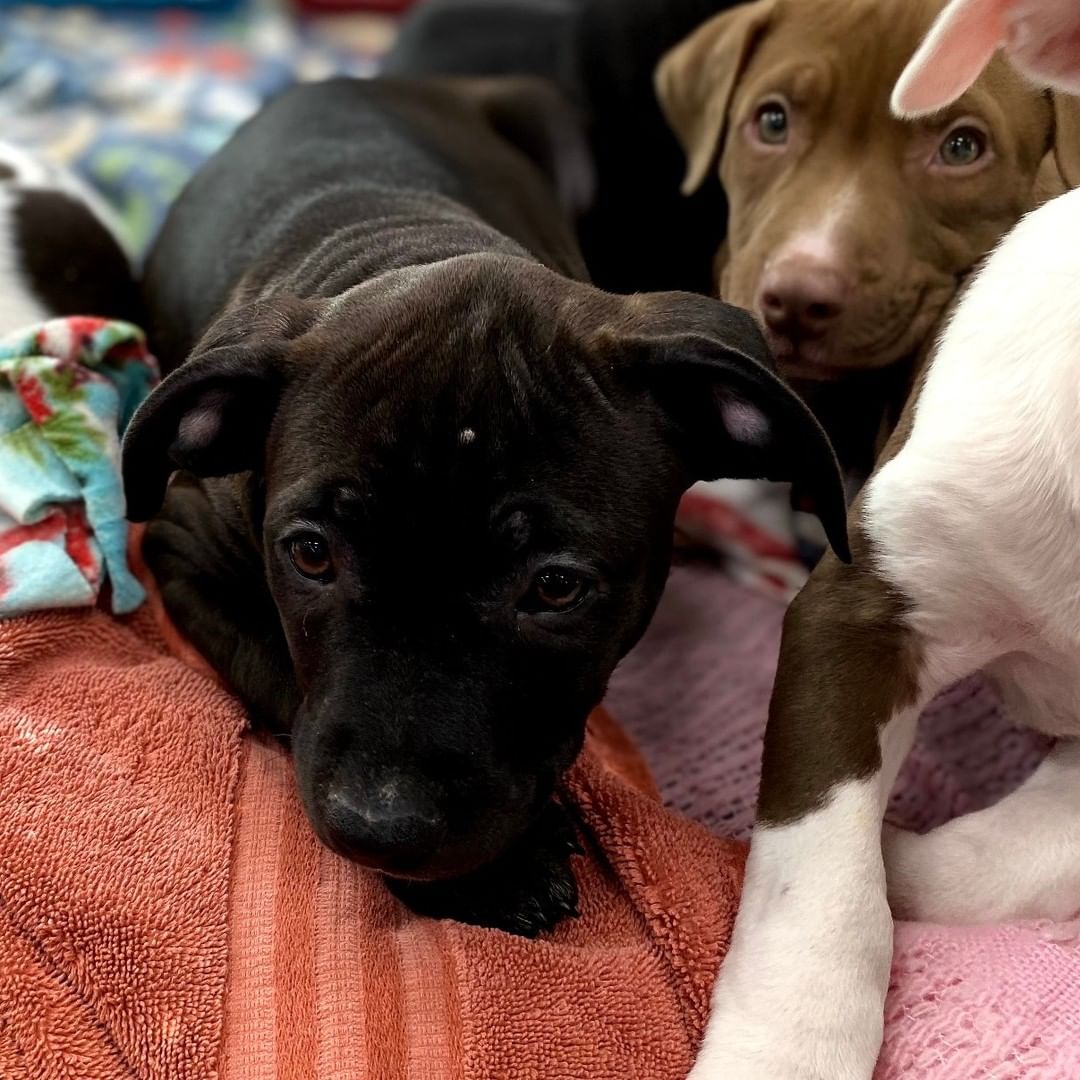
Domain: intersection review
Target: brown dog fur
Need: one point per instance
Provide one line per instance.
(847, 663)
(904, 231)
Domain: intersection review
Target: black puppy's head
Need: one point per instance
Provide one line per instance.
(468, 480)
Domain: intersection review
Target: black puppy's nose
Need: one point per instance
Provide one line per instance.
(394, 826)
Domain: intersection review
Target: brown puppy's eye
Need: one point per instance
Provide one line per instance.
(771, 121)
(962, 146)
(310, 554)
(556, 589)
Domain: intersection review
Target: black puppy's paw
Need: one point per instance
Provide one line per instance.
(526, 891)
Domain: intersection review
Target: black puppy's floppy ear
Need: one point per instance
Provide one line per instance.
(210, 417)
(733, 415)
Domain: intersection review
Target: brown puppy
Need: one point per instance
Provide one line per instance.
(850, 231)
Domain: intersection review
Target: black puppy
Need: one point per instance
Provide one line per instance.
(449, 467)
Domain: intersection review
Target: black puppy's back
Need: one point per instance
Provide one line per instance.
(393, 156)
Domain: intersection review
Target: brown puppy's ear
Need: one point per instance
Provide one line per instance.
(1067, 138)
(210, 417)
(1059, 170)
(536, 117)
(695, 82)
(707, 365)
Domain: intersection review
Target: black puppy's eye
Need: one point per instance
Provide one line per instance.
(310, 554)
(557, 588)
(771, 123)
(962, 146)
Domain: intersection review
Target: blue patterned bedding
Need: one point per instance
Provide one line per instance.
(135, 103)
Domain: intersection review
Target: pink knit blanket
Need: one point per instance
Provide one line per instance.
(977, 1003)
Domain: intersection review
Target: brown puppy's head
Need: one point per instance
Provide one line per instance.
(851, 230)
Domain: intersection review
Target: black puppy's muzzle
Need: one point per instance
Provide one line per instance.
(394, 825)
(419, 787)
(410, 825)
(421, 808)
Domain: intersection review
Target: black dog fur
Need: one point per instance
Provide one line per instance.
(61, 259)
(639, 232)
(428, 474)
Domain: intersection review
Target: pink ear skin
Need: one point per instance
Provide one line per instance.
(1042, 38)
(960, 44)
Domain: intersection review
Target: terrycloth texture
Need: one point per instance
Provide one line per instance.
(119, 766)
(331, 979)
(67, 389)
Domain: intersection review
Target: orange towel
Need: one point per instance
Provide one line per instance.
(166, 912)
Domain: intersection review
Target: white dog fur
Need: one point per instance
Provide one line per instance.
(976, 522)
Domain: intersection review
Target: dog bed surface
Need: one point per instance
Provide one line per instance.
(165, 911)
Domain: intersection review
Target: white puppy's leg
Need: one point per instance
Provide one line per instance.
(802, 988)
(1017, 859)
(801, 992)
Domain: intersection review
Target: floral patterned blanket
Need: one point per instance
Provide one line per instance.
(67, 389)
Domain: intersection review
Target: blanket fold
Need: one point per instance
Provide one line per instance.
(67, 389)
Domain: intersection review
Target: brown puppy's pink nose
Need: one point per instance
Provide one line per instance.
(802, 299)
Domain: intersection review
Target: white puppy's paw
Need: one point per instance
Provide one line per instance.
(811, 1046)
(964, 873)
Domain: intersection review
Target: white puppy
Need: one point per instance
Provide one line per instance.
(966, 556)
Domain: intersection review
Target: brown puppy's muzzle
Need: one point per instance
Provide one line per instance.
(802, 302)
